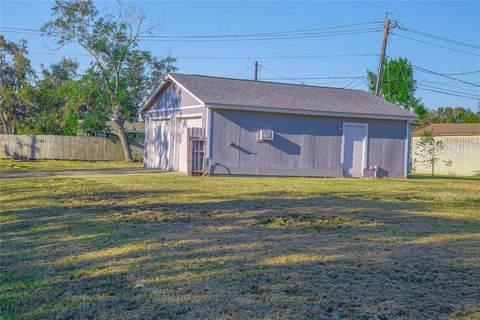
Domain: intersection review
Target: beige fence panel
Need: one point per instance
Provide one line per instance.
(64, 148)
(463, 151)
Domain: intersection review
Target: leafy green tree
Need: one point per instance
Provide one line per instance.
(450, 115)
(124, 73)
(429, 150)
(15, 77)
(49, 98)
(91, 103)
(398, 85)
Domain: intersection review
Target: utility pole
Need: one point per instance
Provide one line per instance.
(386, 30)
(255, 76)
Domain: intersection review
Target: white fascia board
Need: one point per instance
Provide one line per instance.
(312, 113)
(160, 87)
(152, 97)
(186, 90)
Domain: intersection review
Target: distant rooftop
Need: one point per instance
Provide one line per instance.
(451, 129)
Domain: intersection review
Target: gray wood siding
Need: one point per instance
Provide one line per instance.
(303, 145)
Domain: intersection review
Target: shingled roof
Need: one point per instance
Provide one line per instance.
(450, 129)
(215, 91)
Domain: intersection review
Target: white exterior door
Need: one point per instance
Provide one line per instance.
(354, 148)
(182, 126)
(158, 144)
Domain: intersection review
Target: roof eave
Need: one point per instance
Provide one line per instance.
(312, 112)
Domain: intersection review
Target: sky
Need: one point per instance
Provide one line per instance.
(338, 61)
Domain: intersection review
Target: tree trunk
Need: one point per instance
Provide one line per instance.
(433, 169)
(6, 128)
(123, 137)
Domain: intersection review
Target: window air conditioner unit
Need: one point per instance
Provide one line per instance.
(265, 135)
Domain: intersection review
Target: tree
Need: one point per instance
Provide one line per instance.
(398, 85)
(15, 76)
(91, 103)
(450, 115)
(429, 150)
(121, 70)
(50, 100)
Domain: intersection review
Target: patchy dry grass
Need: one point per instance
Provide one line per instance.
(161, 245)
(16, 166)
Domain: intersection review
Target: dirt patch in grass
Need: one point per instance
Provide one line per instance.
(168, 246)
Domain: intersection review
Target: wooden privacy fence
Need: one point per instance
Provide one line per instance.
(65, 148)
(462, 151)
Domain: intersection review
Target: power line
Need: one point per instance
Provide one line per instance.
(435, 45)
(445, 82)
(444, 75)
(241, 35)
(311, 78)
(448, 90)
(295, 34)
(299, 79)
(446, 93)
(436, 89)
(425, 34)
(281, 57)
(235, 57)
(449, 85)
(276, 33)
(279, 75)
(245, 71)
(364, 81)
(351, 82)
(462, 73)
(60, 54)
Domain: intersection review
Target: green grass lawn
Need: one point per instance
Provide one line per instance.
(163, 245)
(15, 166)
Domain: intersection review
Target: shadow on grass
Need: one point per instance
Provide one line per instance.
(443, 177)
(269, 256)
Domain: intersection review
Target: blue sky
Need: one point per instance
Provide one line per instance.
(455, 20)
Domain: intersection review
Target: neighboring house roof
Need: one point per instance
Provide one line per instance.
(217, 91)
(129, 126)
(451, 129)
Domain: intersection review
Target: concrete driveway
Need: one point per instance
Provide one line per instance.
(72, 173)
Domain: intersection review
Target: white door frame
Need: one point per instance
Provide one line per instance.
(156, 162)
(365, 143)
(178, 130)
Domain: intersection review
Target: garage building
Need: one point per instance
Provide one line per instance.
(246, 127)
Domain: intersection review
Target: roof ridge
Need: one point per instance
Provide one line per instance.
(263, 81)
